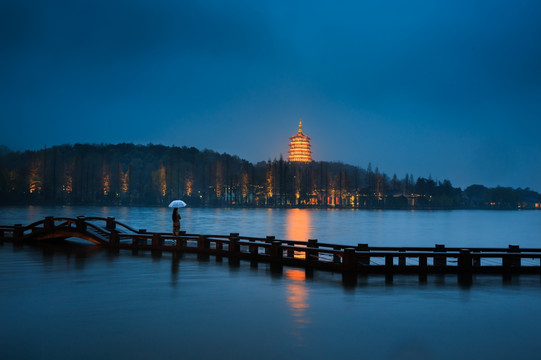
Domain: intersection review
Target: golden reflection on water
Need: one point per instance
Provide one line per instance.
(297, 298)
(298, 227)
(298, 224)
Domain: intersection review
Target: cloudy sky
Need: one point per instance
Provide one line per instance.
(450, 89)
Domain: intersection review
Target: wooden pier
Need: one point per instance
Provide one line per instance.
(311, 254)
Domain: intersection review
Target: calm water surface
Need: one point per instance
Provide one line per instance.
(83, 302)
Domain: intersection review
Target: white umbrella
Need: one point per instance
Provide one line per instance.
(177, 204)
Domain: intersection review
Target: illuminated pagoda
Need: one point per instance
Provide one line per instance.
(299, 147)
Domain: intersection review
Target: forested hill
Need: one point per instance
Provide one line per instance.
(128, 174)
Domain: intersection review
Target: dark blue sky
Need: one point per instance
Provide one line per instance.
(450, 89)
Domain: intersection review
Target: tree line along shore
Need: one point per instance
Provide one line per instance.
(129, 174)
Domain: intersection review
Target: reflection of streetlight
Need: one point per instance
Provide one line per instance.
(297, 298)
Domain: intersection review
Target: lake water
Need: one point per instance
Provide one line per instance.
(84, 302)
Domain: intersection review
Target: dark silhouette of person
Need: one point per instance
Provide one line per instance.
(176, 222)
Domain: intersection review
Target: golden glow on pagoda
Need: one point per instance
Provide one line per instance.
(299, 147)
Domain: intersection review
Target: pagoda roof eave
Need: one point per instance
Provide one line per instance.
(296, 136)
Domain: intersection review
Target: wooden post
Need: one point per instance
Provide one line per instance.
(252, 248)
(312, 255)
(157, 241)
(389, 268)
(465, 261)
(220, 251)
(114, 240)
(388, 262)
(349, 268)
(276, 254)
(465, 267)
(80, 223)
(18, 234)
(423, 268)
(136, 240)
(203, 243)
(422, 262)
(48, 225)
(110, 223)
(234, 247)
(349, 260)
(268, 239)
(254, 252)
(364, 259)
(514, 260)
(203, 246)
(440, 261)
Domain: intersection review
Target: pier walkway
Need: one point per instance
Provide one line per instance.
(310, 254)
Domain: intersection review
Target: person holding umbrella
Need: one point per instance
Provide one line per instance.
(176, 222)
(175, 204)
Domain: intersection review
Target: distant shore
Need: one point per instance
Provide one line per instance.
(420, 208)
(154, 175)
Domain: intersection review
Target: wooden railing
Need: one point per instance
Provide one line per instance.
(309, 254)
